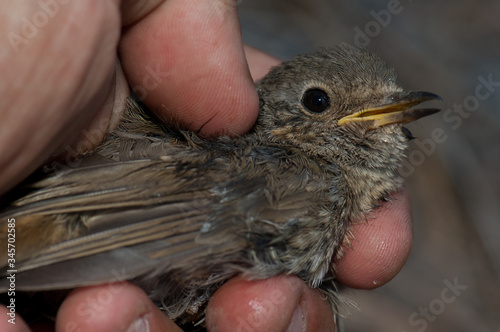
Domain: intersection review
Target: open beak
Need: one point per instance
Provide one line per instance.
(398, 111)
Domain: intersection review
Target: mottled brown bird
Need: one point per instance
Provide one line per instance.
(179, 214)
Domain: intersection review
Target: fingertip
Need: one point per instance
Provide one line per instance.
(185, 60)
(252, 305)
(379, 247)
(11, 322)
(318, 311)
(259, 62)
(276, 304)
(112, 307)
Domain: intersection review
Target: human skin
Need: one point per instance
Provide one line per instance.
(62, 91)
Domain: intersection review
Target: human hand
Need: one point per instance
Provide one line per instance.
(180, 55)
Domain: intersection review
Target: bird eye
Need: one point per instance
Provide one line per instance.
(316, 100)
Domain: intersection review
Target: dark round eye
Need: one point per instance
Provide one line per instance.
(316, 100)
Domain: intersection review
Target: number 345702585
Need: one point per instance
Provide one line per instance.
(11, 239)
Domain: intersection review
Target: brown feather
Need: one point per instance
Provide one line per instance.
(179, 215)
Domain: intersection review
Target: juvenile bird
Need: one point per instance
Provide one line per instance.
(179, 214)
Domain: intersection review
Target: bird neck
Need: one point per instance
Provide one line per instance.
(360, 179)
(367, 188)
(367, 174)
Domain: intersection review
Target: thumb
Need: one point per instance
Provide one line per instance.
(185, 60)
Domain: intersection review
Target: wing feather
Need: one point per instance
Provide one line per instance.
(130, 218)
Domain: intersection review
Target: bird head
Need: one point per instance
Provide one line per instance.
(342, 104)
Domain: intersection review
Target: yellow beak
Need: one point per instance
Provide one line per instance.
(397, 112)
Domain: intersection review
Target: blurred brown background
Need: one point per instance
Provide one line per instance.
(452, 279)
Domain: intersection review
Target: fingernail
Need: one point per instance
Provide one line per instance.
(297, 323)
(139, 325)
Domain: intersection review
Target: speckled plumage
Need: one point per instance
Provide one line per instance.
(179, 214)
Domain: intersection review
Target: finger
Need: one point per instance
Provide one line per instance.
(259, 62)
(59, 69)
(379, 247)
(185, 60)
(282, 303)
(135, 10)
(11, 322)
(113, 307)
